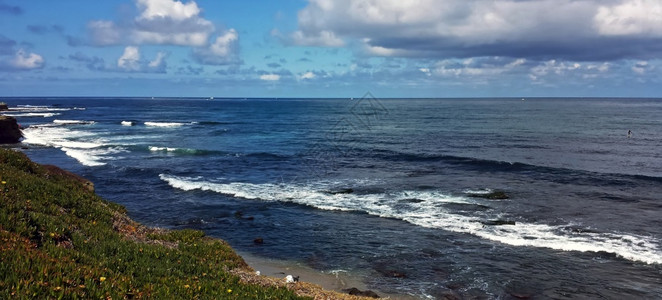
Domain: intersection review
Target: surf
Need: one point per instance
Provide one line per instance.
(428, 211)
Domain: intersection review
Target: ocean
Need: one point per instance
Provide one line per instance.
(477, 198)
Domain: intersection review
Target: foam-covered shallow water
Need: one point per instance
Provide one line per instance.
(394, 191)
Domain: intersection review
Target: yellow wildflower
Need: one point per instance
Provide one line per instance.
(102, 279)
(4, 182)
(186, 286)
(229, 291)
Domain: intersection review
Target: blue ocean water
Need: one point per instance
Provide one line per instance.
(386, 189)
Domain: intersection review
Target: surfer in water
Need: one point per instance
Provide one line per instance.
(629, 133)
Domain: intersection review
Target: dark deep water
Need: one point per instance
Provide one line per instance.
(584, 211)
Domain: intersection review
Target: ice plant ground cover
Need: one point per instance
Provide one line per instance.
(60, 240)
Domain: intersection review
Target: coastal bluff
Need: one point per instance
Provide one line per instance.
(10, 132)
(58, 239)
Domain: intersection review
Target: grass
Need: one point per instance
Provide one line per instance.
(60, 240)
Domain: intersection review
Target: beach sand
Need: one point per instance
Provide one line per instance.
(332, 280)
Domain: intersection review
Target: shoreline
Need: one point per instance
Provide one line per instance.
(338, 281)
(63, 234)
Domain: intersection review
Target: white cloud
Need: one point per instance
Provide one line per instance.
(270, 77)
(26, 61)
(159, 22)
(319, 39)
(630, 17)
(168, 9)
(579, 30)
(640, 67)
(307, 75)
(159, 61)
(475, 67)
(130, 60)
(225, 43)
(170, 22)
(223, 51)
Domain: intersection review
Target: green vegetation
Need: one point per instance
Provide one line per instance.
(60, 240)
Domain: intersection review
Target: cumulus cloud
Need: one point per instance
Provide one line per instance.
(170, 22)
(534, 29)
(630, 18)
(22, 61)
(307, 75)
(223, 51)
(641, 67)
(130, 61)
(270, 77)
(490, 66)
(159, 22)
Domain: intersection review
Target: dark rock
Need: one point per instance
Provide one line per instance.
(3, 106)
(356, 292)
(412, 200)
(340, 191)
(240, 215)
(53, 170)
(392, 273)
(258, 241)
(498, 222)
(495, 195)
(10, 133)
(522, 290)
(450, 295)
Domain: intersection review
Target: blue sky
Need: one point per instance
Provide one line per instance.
(327, 48)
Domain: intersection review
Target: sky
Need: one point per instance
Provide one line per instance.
(331, 48)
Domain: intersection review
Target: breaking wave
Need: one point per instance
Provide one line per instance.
(428, 209)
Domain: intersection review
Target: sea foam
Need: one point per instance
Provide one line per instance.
(84, 146)
(165, 124)
(33, 114)
(426, 211)
(73, 122)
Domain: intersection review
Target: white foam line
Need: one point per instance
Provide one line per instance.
(43, 115)
(73, 122)
(428, 213)
(164, 124)
(158, 149)
(83, 157)
(89, 152)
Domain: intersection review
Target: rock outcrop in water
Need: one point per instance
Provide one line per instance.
(498, 222)
(3, 106)
(10, 132)
(340, 191)
(356, 292)
(494, 195)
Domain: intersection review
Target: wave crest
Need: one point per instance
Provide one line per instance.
(428, 211)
